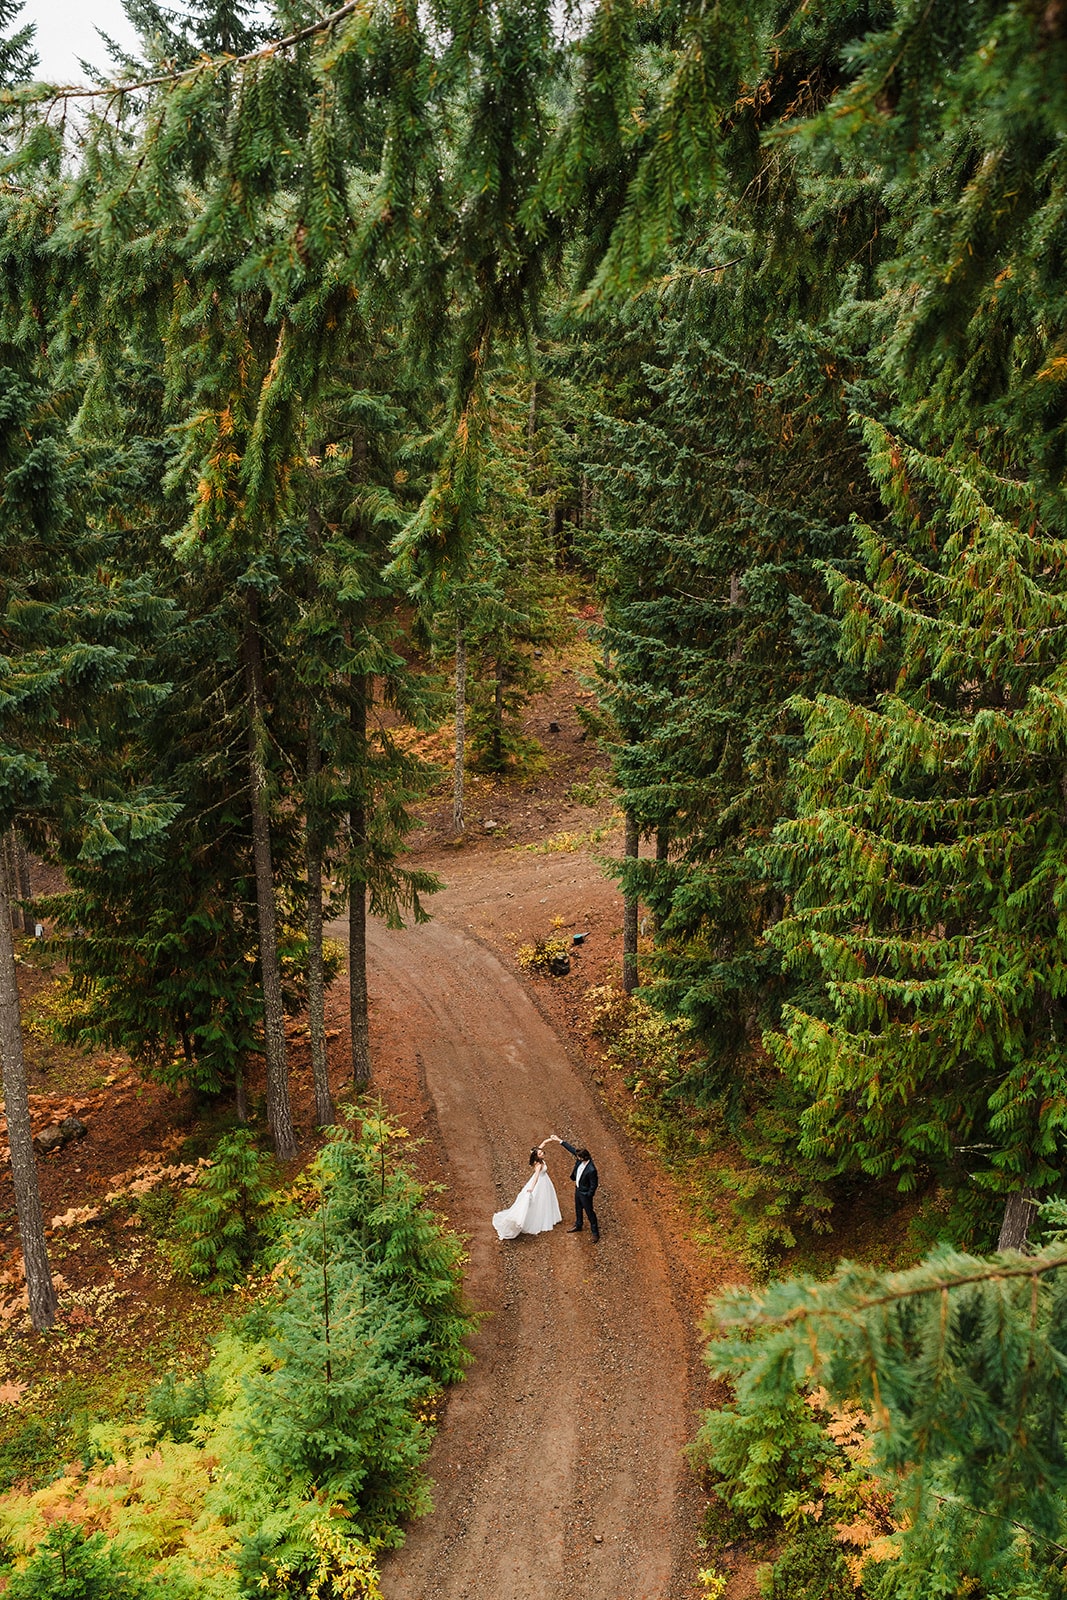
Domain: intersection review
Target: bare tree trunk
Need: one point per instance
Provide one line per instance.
(11, 882)
(240, 1097)
(279, 1109)
(324, 1113)
(461, 725)
(313, 811)
(629, 911)
(663, 843)
(39, 1287)
(1019, 1212)
(359, 1025)
(497, 746)
(22, 867)
(533, 472)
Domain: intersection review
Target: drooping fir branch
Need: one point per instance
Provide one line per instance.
(843, 1298)
(957, 1368)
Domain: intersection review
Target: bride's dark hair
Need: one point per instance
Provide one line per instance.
(535, 1157)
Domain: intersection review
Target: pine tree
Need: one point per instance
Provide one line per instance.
(357, 804)
(715, 514)
(957, 1364)
(372, 1324)
(73, 633)
(70, 1564)
(218, 1224)
(924, 864)
(18, 58)
(491, 603)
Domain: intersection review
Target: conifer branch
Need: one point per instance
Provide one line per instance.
(999, 1516)
(670, 278)
(1034, 1269)
(117, 90)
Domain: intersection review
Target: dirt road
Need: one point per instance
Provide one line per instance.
(559, 1467)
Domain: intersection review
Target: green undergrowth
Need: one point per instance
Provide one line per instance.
(763, 1206)
(568, 842)
(293, 1457)
(36, 1442)
(895, 1435)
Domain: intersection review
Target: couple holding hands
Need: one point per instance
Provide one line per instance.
(536, 1208)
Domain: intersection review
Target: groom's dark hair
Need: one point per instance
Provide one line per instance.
(583, 1154)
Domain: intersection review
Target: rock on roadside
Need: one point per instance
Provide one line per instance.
(59, 1134)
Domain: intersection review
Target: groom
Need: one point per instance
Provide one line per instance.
(584, 1177)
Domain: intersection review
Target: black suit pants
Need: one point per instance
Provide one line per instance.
(583, 1203)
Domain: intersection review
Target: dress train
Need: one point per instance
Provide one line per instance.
(534, 1210)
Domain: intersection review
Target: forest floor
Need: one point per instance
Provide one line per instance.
(560, 1460)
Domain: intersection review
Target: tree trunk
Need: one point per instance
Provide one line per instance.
(663, 843)
(279, 1110)
(324, 1113)
(359, 1025)
(313, 810)
(461, 725)
(629, 911)
(39, 1287)
(497, 745)
(533, 472)
(1019, 1212)
(11, 882)
(22, 866)
(240, 1097)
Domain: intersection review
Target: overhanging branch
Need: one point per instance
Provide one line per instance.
(51, 93)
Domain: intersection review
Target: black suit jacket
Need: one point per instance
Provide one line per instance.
(588, 1181)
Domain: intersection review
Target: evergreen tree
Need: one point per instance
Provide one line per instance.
(714, 515)
(218, 1222)
(350, 662)
(958, 1365)
(73, 630)
(72, 1565)
(925, 864)
(491, 603)
(371, 1326)
(18, 58)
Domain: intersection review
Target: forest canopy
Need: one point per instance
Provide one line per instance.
(328, 344)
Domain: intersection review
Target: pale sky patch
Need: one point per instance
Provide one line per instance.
(66, 32)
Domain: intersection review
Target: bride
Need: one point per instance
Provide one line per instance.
(536, 1209)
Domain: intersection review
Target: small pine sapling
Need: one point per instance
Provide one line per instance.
(69, 1566)
(219, 1225)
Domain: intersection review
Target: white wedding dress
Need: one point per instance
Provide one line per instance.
(536, 1208)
